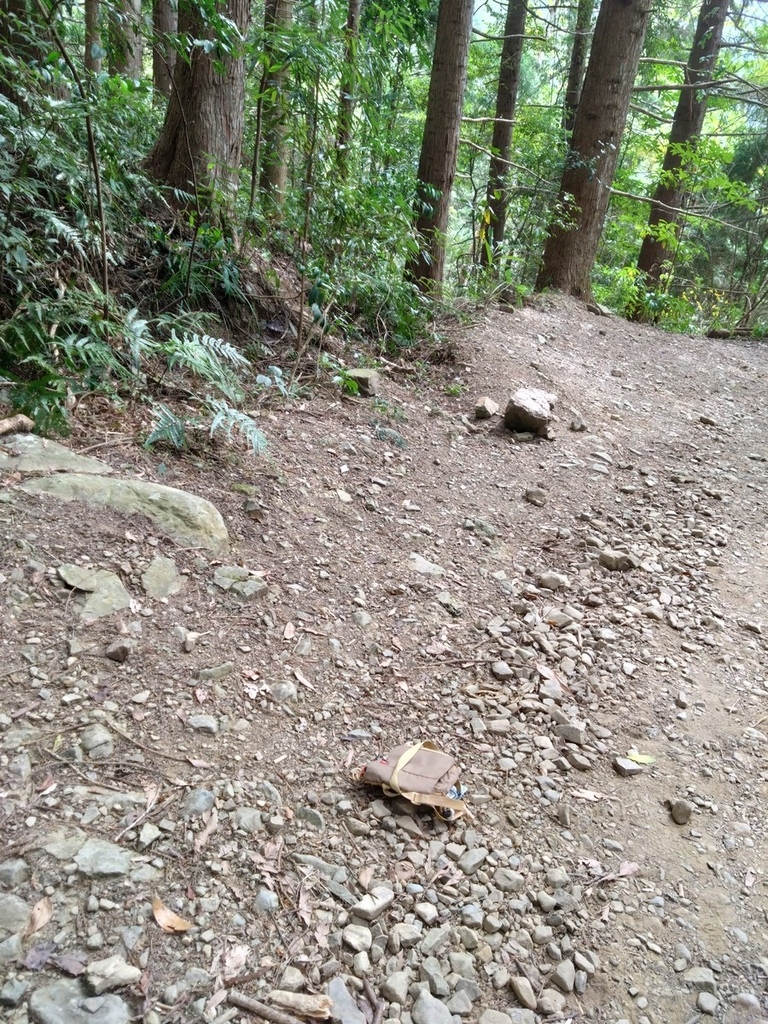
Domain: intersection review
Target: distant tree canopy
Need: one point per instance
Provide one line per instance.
(392, 151)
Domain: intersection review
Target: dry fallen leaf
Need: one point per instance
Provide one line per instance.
(587, 794)
(210, 827)
(235, 960)
(166, 918)
(42, 912)
(289, 632)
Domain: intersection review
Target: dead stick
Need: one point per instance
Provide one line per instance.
(260, 1009)
(376, 1004)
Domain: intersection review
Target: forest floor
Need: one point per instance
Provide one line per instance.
(213, 771)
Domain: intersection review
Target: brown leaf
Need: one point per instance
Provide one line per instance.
(365, 876)
(289, 632)
(235, 960)
(166, 918)
(42, 912)
(201, 694)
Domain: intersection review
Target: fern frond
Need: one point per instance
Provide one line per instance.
(168, 428)
(234, 421)
(60, 229)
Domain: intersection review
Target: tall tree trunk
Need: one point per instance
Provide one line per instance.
(506, 101)
(165, 19)
(686, 127)
(578, 62)
(440, 142)
(278, 15)
(199, 147)
(126, 46)
(93, 48)
(347, 88)
(574, 235)
(25, 39)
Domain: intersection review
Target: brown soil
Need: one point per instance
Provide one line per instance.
(352, 488)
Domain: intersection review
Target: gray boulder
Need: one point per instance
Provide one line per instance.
(530, 410)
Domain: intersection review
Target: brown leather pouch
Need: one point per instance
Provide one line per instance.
(420, 772)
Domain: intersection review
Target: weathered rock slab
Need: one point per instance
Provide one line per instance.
(33, 454)
(188, 519)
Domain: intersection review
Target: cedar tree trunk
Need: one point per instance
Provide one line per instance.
(201, 140)
(347, 88)
(590, 164)
(164, 24)
(126, 46)
(578, 62)
(93, 36)
(278, 15)
(506, 101)
(686, 127)
(440, 142)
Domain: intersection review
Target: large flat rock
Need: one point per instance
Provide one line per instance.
(33, 454)
(189, 520)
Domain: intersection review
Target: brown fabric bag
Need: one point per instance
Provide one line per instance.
(420, 772)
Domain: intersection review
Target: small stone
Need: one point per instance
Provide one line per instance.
(508, 881)
(471, 861)
(617, 561)
(625, 767)
(395, 987)
(197, 802)
(494, 1017)
(114, 972)
(357, 937)
(312, 817)
(701, 978)
(345, 1010)
(98, 858)
(284, 691)
(96, 740)
(707, 1003)
(550, 1002)
(161, 578)
(292, 979)
(564, 976)
(14, 914)
(523, 991)
(536, 496)
(217, 672)
(367, 379)
(203, 723)
(248, 819)
(428, 1010)
(552, 581)
(485, 408)
(374, 903)
(14, 872)
(149, 833)
(501, 670)
(68, 1002)
(13, 991)
(119, 651)
(529, 409)
(681, 811)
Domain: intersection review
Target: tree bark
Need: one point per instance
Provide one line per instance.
(126, 45)
(686, 128)
(506, 101)
(92, 58)
(347, 88)
(574, 234)
(578, 62)
(278, 15)
(165, 18)
(200, 144)
(440, 142)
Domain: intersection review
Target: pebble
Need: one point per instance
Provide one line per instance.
(681, 811)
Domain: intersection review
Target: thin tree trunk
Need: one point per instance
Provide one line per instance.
(165, 18)
(348, 87)
(506, 101)
(440, 142)
(574, 235)
(686, 128)
(93, 50)
(199, 147)
(278, 15)
(126, 46)
(578, 63)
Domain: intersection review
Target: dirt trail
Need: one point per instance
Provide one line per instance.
(234, 725)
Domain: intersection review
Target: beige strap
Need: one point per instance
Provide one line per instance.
(403, 760)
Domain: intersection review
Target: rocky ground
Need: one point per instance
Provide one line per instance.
(580, 621)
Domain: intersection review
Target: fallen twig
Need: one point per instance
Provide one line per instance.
(376, 1004)
(260, 1009)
